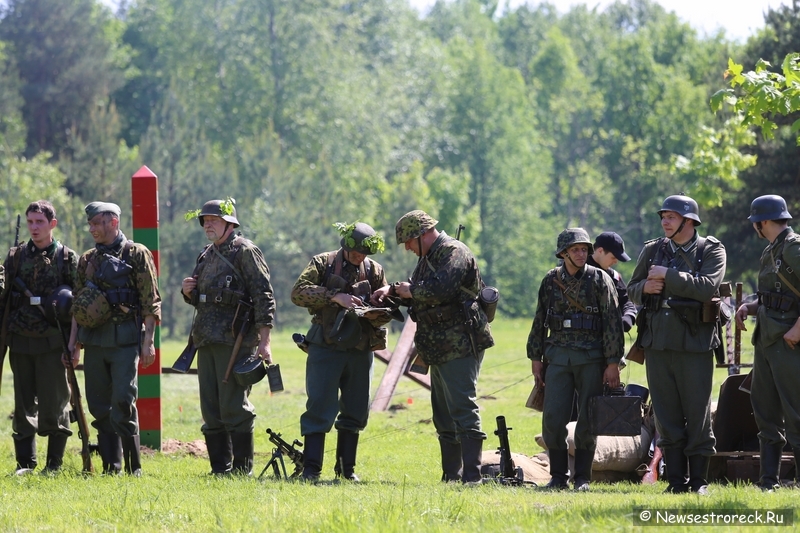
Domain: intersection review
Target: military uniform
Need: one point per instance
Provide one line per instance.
(111, 349)
(577, 346)
(679, 347)
(339, 363)
(41, 390)
(228, 415)
(626, 307)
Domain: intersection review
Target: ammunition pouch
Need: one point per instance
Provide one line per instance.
(691, 311)
(573, 321)
(441, 314)
(777, 301)
(125, 296)
(222, 296)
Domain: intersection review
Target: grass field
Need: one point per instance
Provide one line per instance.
(398, 463)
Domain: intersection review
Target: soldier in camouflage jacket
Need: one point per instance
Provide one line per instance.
(231, 277)
(119, 277)
(452, 334)
(673, 278)
(41, 391)
(577, 331)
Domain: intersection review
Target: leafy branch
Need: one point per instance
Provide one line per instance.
(225, 208)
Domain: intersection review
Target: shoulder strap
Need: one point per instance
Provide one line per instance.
(566, 295)
(237, 241)
(61, 252)
(788, 269)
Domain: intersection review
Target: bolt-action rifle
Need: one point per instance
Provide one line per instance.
(7, 310)
(284, 448)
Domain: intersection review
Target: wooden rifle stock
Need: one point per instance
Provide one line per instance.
(236, 346)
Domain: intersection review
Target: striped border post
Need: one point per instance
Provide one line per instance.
(144, 189)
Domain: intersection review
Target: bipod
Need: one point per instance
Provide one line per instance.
(277, 464)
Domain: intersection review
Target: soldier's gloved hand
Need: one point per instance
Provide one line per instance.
(627, 323)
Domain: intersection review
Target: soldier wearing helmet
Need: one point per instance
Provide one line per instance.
(675, 277)
(774, 392)
(340, 346)
(232, 295)
(116, 293)
(577, 333)
(452, 335)
(41, 392)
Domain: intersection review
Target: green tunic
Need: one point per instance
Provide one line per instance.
(774, 394)
(679, 352)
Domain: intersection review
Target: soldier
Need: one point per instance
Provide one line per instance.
(675, 279)
(41, 391)
(116, 296)
(609, 248)
(452, 335)
(231, 280)
(578, 305)
(340, 346)
(774, 393)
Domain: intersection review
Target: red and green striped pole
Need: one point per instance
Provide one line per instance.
(144, 189)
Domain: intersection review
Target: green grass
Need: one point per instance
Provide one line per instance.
(398, 463)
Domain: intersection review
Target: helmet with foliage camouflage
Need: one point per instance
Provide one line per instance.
(90, 307)
(683, 205)
(571, 236)
(768, 207)
(412, 225)
(221, 208)
(360, 237)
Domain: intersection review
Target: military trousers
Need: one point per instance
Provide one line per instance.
(454, 386)
(775, 395)
(680, 391)
(111, 388)
(225, 407)
(41, 395)
(337, 382)
(562, 381)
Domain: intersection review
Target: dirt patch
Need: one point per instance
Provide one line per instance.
(196, 448)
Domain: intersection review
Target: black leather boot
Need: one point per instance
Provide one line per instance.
(583, 469)
(132, 454)
(677, 470)
(770, 467)
(698, 473)
(451, 460)
(25, 451)
(471, 451)
(346, 448)
(56, 444)
(110, 447)
(559, 470)
(220, 453)
(313, 448)
(243, 448)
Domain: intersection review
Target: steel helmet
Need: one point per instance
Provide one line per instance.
(683, 205)
(214, 207)
(249, 370)
(768, 207)
(58, 305)
(571, 236)
(354, 242)
(90, 307)
(412, 225)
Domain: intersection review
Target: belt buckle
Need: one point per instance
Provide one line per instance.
(36, 300)
(567, 323)
(202, 298)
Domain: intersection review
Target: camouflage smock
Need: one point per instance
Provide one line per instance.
(309, 293)
(591, 287)
(437, 283)
(38, 269)
(212, 324)
(144, 277)
(666, 330)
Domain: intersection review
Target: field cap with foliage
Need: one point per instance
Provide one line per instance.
(412, 225)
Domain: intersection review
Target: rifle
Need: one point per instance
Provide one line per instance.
(284, 448)
(77, 405)
(509, 475)
(7, 311)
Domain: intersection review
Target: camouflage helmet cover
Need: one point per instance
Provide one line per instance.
(683, 205)
(214, 208)
(768, 207)
(412, 225)
(90, 307)
(571, 236)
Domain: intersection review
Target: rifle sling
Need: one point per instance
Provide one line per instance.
(566, 295)
(788, 284)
